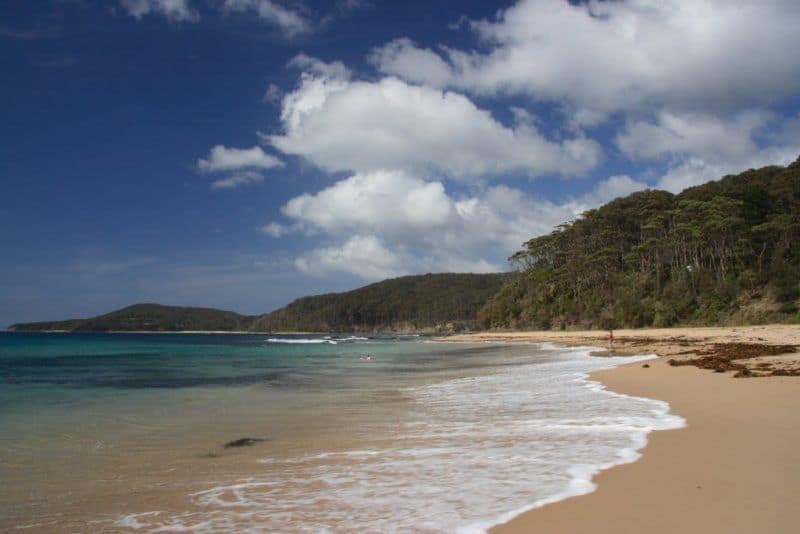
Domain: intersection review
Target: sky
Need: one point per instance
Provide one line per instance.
(241, 153)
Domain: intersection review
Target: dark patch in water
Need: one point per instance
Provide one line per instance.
(79, 360)
(85, 379)
(243, 442)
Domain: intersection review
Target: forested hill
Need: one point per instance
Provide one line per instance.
(435, 302)
(432, 302)
(148, 317)
(723, 252)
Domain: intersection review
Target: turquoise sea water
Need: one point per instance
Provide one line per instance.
(127, 431)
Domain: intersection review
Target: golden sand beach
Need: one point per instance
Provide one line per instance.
(734, 468)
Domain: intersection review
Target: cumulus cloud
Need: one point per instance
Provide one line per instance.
(242, 166)
(690, 85)
(222, 158)
(363, 255)
(273, 94)
(693, 134)
(291, 23)
(275, 230)
(173, 10)
(693, 171)
(402, 57)
(372, 259)
(392, 203)
(406, 224)
(693, 81)
(605, 56)
(702, 147)
(363, 126)
(333, 70)
(237, 179)
(605, 190)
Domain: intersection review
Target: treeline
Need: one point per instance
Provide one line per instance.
(148, 318)
(435, 302)
(431, 302)
(723, 252)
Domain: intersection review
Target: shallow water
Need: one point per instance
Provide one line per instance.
(126, 431)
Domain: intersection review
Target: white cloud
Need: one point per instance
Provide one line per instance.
(363, 255)
(406, 224)
(605, 190)
(334, 69)
(276, 230)
(703, 147)
(291, 23)
(360, 126)
(392, 203)
(371, 258)
(237, 179)
(695, 171)
(173, 10)
(221, 158)
(693, 134)
(605, 56)
(273, 94)
(352, 5)
(401, 57)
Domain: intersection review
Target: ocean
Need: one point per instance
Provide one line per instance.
(350, 433)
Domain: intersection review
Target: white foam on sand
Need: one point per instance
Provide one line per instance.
(317, 341)
(472, 453)
(295, 341)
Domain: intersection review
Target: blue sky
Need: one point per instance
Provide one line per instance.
(241, 153)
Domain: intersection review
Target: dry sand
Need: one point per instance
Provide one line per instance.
(735, 468)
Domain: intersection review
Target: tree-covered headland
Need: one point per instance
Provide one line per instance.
(725, 252)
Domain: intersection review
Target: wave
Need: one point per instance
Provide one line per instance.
(318, 341)
(581, 475)
(350, 339)
(302, 341)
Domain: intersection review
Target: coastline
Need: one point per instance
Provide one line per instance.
(238, 332)
(734, 468)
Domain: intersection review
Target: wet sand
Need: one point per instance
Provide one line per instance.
(735, 468)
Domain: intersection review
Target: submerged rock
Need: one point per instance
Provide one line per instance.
(243, 442)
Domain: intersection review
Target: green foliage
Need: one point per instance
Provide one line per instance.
(431, 301)
(427, 301)
(657, 259)
(149, 317)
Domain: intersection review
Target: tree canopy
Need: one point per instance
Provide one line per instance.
(725, 251)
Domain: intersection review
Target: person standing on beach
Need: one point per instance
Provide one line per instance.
(610, 338)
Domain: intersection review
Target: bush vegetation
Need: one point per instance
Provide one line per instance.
(723, 252)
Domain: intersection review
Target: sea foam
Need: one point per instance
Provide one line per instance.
(296, 341)
(317, 341)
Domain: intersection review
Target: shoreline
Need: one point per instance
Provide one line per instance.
(734, 467)
(238, 332)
